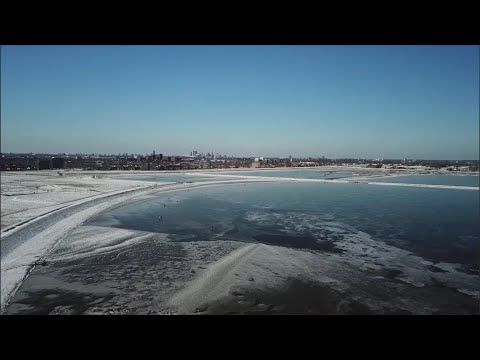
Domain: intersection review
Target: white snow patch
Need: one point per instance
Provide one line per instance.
(474, 293)
(86, 241)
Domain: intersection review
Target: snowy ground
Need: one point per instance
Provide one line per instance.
(37, 231)
(26, 195)
(120, 271)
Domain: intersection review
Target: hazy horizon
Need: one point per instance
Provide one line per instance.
(230, 155)
(391, 102)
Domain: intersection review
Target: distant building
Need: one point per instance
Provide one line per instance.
(58, 163)
(44, 165)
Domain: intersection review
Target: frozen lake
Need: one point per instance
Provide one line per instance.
(441, 225)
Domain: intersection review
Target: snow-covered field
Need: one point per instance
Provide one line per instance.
(26, 195)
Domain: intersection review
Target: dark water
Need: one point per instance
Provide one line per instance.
(437, 224)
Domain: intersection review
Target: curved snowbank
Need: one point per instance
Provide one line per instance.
(455, 187)
(342, 181)
(22, 248)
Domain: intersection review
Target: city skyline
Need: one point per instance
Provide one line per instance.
(275, 101)
(212, 155)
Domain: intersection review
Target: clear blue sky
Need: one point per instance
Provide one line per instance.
(352, 101)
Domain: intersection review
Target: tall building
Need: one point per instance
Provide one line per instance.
(58, 163)
(44, 164)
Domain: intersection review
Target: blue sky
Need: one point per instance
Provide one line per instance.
(335, 101)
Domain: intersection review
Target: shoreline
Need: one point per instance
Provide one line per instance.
(352, 180)
(325, 168)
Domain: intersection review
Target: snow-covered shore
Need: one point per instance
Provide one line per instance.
(63, 203)
(24, 245)
(341, 181)
(26, 195)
